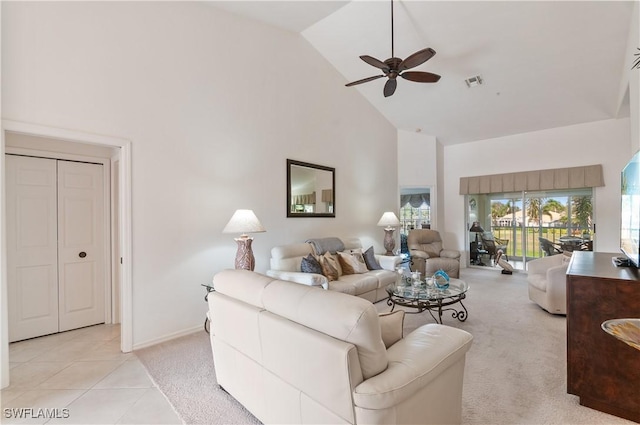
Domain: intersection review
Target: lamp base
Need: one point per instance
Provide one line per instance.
(244, 257)
(389, 241)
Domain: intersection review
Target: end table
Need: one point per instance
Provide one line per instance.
(209, 287)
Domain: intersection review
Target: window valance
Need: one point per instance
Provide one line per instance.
(308, 199)
(558, 178)
(415, 199)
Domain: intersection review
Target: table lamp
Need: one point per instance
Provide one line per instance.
(243, 222)
(389, 221)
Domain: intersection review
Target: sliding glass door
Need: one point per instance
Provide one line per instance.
(530, 225)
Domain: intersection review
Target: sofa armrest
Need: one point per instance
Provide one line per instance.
(414, 362)
(310, 279)
(450, 253)
(389, 262)
(557, 274)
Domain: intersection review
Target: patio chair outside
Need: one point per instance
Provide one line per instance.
(549, 247)
(493, 244)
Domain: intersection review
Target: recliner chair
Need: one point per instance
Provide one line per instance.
(428, 256)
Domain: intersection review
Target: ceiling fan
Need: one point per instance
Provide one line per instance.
(396, 67)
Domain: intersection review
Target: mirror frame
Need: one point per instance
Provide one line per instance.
(292, 162)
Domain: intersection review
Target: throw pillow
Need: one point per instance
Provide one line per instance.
(370, 260)
(329, 266)
(391, 327)
(352, 263)
(309, 264)
(337, 264)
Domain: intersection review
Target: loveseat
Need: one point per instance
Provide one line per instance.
(299, 354)
(286, 263)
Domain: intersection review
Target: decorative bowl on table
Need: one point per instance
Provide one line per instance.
(441, 279)
(626, 330)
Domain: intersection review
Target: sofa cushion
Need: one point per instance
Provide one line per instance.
(361, 282)
(370, 260)
(352, 263)
(242, 284)
(385, 277)
(288, 257)
(310, 264)
(342, 287)
(350, 319)
(538, 281)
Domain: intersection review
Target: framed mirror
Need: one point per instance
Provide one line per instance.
(310, 190)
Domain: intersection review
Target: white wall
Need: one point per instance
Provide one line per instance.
(418, 165)
(416, 159)
(213, 105)
(602, 142)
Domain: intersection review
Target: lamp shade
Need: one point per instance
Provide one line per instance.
(389, 219)
(243, 221)
(475, 227)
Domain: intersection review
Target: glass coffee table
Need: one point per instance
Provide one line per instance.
(428, 297)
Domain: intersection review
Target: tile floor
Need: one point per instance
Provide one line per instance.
(84, 375)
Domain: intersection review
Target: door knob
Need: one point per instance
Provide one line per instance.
(82, 254)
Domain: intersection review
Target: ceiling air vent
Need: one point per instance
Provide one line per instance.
(473, 81)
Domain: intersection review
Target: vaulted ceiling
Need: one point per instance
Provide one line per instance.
(544, 64)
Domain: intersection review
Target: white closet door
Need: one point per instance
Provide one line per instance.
(81, 238)
(32, 252)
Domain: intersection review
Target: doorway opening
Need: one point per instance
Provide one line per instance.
(123, 170)
(415, 213)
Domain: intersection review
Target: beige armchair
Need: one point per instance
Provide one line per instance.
(428, 256)
(547, 278)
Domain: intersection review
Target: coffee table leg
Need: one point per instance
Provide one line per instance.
(462, 314)
(434, 317)
(392, 303)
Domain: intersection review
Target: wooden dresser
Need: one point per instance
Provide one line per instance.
(603, 371)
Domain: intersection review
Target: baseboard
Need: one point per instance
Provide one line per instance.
(167, 337)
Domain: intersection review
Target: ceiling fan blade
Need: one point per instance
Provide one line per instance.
(390, 87)
(417, 58)
(364, 80)
(375, 62)
(420, 77)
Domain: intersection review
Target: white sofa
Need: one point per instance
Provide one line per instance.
(297, 354)
(285, 265)
(547, 281)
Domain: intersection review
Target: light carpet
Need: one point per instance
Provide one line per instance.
(515, 371)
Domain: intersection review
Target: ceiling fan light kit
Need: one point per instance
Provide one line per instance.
(393, 67)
